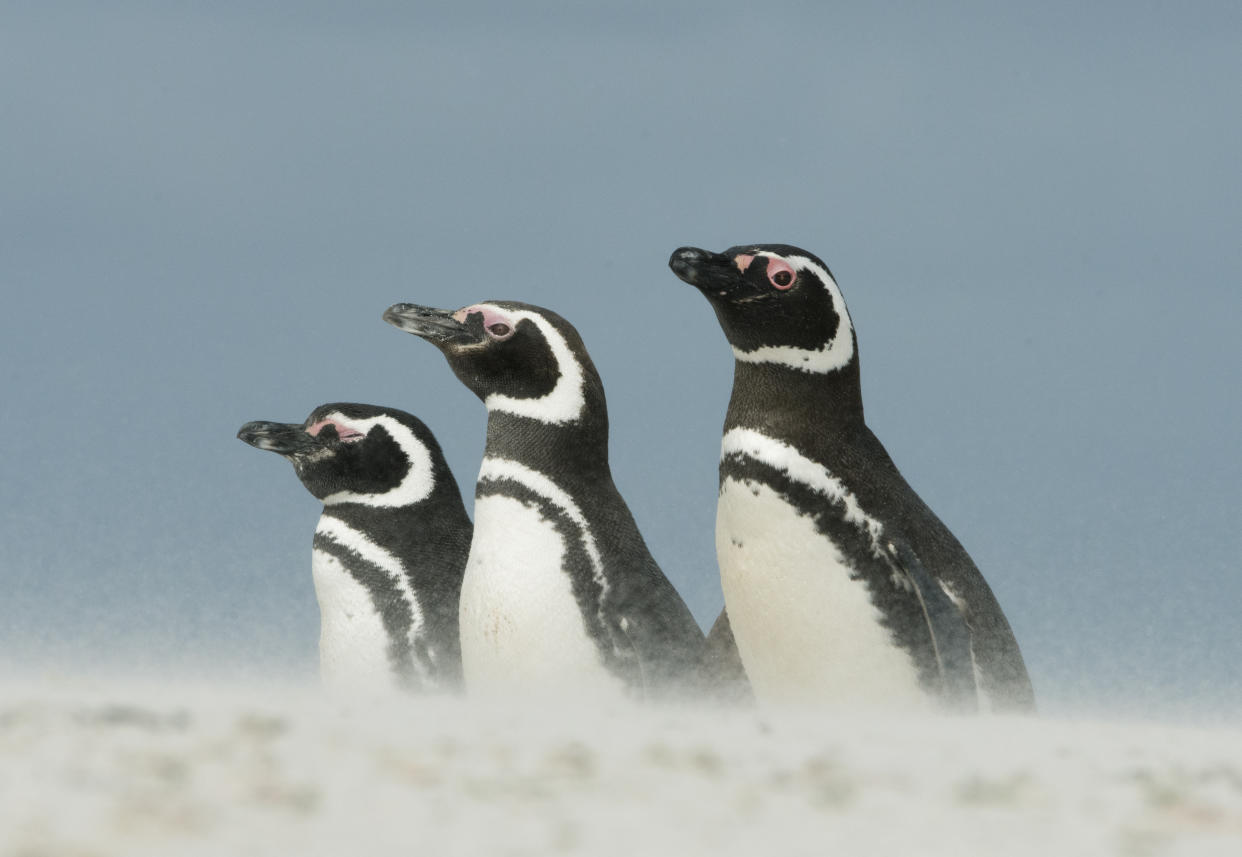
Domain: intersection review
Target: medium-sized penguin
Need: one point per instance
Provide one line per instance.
(390, 548)
(841, 585)
(561, 594)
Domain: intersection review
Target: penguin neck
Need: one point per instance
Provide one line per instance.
(408, 531)
(579, 447)
(802, 408)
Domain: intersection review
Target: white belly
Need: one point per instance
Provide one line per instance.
(521, 628)
(353, 644)
(807, 634)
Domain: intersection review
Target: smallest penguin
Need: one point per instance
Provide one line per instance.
(390, 547)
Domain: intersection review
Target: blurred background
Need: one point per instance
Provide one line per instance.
(1034, 214)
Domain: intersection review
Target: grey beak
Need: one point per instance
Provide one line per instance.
(704, 269)
(434, 325)
(281, 438)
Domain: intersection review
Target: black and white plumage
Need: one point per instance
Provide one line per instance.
(842, 586)
(561, 593)
(390, 547)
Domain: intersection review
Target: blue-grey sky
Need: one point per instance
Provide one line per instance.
(1034, 214)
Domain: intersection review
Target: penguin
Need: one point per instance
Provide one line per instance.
(389, 550)
(842, 586)
(561, 595)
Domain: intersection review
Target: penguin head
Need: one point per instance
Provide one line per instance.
(349, 453)
(777, 304)
(519, 359)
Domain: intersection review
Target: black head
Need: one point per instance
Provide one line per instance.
(349, 453)
(777, 304)
(519, 359)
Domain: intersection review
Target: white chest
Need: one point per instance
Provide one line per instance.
(521, 627)
(353, 643)
(806, 632)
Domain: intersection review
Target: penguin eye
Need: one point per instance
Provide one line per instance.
(499, 330)
(780, 273)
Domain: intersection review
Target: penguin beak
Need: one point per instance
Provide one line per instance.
(281, 438)
(716, 275)
(437, 326)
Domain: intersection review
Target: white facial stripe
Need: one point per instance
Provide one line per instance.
(503, 468)
(800, 469)
(566, 401)
(834, 354)
(349, 538)
(417, 483)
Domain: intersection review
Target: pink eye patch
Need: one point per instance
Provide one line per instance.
(743, 260)
(495, 322)
(490, 315)
(343, 432)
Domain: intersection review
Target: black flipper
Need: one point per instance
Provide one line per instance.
(949, 630)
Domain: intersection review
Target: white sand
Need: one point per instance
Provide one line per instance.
(124, 769)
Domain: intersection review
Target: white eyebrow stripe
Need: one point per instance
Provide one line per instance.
(835, 354)
(418, 481)
(566, 401)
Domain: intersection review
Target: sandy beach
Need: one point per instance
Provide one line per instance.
(134, 768)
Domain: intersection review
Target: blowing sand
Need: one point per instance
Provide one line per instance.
(122, 768)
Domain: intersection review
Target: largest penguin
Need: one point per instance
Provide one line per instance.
(841, 585)
(561, 593)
